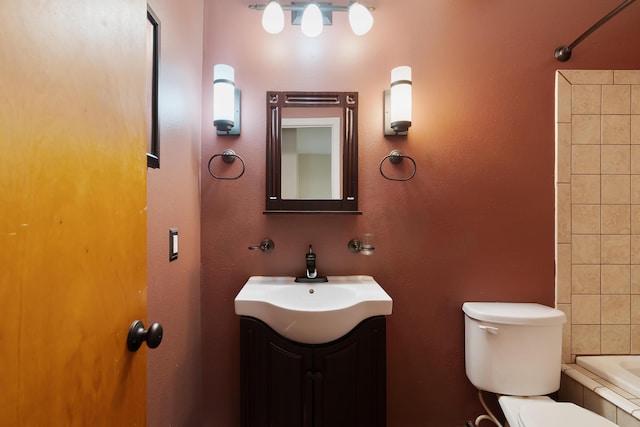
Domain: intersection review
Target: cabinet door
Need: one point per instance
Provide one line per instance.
(276, 378)
(350, 378)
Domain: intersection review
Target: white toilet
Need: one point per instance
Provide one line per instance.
(515, 351)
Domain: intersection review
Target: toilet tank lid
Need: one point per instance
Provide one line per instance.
(514, 313)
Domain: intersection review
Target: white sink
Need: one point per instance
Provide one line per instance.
(312, 313)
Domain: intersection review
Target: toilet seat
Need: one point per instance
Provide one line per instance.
(560, 414)
(541, 411)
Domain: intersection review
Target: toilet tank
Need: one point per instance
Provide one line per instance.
(513, 348)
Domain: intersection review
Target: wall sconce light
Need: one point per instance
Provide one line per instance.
(397, 102)
(226, 101)
(313, 15)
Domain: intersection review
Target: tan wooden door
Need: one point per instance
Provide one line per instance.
(72, 212)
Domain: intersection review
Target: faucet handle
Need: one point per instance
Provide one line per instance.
(267, 245)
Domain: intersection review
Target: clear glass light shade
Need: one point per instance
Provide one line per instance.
(273, 18)
(360, 19)
(401, 98)
(223, 96)
(312, 21)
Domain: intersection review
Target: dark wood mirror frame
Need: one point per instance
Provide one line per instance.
(348, 101)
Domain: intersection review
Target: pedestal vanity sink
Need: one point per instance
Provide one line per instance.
(312, 313)
(313, 354)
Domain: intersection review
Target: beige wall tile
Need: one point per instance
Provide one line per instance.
(616, 310)
(635, 157)
(616, 159)
(635, 279)
(616, 99)
(586, 129)
(571, 390)
(585, 189)
(585, 309)
(585, 159)
(622, 77)
(635, 99)
(616, 129)
(563, 99)
(598, 169)
(586, 99)
(563, 274)
(616, 339)
(616, 249)
(635, 189)
(566, 333)
(616, 219)
(635, 249)
(599, 405)
(563, 152)
(585, 219)
(635, 310)
(635, 339)
(616, 279)
(563, 213)
(635, 128)
(585, 249)
(635, 219)
(616, 189)
(579, 77)
(585, 339)
(585, 279)
(626, 420)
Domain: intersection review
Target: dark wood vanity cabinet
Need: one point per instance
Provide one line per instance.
(289, 384)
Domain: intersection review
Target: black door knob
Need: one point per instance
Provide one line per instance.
(137, 335)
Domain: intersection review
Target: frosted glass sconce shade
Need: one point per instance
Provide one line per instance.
(360, 19)
(398, 102)
(226, 101)
(273, 18)
(312, 21)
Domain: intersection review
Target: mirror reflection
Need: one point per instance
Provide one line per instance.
(312, 152)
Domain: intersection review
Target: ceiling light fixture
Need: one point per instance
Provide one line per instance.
(312, 24)
(273, 18)
(313, 15)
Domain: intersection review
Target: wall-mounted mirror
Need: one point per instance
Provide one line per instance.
(312, 152)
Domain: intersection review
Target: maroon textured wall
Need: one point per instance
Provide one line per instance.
(173, 200)
(477, 221)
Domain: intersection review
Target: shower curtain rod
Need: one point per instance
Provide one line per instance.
(563, 53)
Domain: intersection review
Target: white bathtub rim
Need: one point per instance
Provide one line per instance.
(615, 369)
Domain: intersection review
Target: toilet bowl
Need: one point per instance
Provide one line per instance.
(515, 351)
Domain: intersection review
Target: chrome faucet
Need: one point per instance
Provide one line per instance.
(311, 275)
(312, 272)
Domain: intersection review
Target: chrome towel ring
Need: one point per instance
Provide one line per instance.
(396, 157)
(228, 156)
